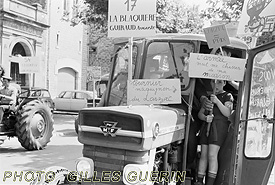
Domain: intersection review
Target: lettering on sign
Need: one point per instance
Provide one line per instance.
(256, 17)
(216, 36)
(29, 65)
(131, 18)
(262, 93)
(155, 91)
(216, 67)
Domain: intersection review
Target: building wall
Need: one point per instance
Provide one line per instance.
(48, 34)
(85, 58)
(65, 47)
(24, 25)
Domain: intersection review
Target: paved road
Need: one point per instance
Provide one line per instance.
(62, 150)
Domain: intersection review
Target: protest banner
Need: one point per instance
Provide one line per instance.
(216, 36)
(216, 67)
(131, 18)
(257, 17)
(28, 65)
(154, 91)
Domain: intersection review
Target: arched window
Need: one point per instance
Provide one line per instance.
(20, 79)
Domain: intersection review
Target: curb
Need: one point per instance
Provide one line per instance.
(66, 113)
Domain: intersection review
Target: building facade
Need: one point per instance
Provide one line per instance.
(43, 31)
(67, 47)
(23, 30)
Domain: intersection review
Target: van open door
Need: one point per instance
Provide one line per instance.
(254, 160)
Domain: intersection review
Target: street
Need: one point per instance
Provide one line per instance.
(62, 150)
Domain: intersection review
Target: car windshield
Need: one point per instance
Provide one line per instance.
(168, 60)
(35, 93)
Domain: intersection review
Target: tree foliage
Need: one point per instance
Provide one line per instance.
(175, 17)
(227, 10)
(95, 12)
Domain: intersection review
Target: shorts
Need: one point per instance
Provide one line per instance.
(217, 134)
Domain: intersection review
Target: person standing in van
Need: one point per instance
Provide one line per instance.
(211, 140)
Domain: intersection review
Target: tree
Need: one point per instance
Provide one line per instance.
(227, 10)
(94, 12)
(175, 17)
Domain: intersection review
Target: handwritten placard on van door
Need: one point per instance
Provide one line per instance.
(154, 91)
(216, 67)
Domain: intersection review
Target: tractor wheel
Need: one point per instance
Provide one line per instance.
(35, 125)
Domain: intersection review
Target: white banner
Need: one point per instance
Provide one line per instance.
(216, 36)
(216, 67)
(131, 18)
(257, 16)
(29, 65)
(153, 91)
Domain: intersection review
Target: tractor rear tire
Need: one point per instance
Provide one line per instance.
(35, 125)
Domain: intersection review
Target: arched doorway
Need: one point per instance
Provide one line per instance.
(21, 79)
(66, 79)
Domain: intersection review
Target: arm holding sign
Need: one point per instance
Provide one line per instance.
(225, 108)
(201, 94)
(203, 117)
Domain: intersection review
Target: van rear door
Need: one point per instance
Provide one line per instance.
(254, 161)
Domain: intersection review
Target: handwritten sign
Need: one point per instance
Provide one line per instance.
(262, 93)
(29, 65)
(131, 18)
(216, 36)
(216, 67)
(154, 91)
(93, 73)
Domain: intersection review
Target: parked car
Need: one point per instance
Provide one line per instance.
(37, 92)
(74, 100)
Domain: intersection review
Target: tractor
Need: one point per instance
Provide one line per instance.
(150, 143)
(31, 121)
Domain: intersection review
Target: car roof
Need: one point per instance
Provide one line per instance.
(34, 88)
(234, 42)
(83, 91)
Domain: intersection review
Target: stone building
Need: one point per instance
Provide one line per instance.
(23, 30)
(67, 47)
(43, 30)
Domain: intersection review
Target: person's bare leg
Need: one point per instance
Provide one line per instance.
(213, 151)
(203, 163)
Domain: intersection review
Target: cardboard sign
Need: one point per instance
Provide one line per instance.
(216, 36)
(154, 91)
(216, 67)
(257, 17)
(93, 73)
(29, 65)
(131, 18)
